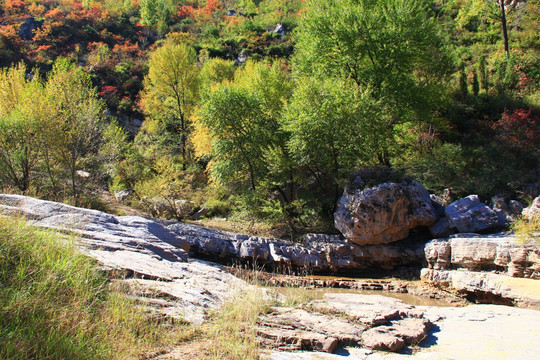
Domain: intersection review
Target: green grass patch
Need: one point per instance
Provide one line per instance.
(56, 303)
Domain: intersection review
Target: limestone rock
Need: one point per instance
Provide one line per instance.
(484, 287)
(515, 207)
(397, 334)
(123, 196)
(319, 252)
(153, 259)
(469, 215)
(532, 211)
(383, 214)
(488, 252)
(374, 321)
(441, 228)
(371, 310)
(303, 330)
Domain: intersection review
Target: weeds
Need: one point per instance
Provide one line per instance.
(527, 229)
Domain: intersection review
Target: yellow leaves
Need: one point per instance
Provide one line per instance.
(12, 84)
(201, 139)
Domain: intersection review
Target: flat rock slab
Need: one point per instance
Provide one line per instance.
(480, 332)
(371, 310)
(303, 330)
(371, 321)
(153, 259)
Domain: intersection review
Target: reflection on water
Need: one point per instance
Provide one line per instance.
(406, 298)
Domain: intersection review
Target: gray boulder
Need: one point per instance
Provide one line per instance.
(385, 213)
(515, 207)
(469, 215)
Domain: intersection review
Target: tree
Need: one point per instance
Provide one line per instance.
(244, 122)
(20, 126)
(171, 91)
(489, 9)
(73, 133)
(334, 127)
(390, 47)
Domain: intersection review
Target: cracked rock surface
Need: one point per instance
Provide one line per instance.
(371, 321)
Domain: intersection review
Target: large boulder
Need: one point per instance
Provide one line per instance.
(385, 213)
(469, 215)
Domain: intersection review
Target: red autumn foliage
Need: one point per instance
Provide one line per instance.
(518, 128)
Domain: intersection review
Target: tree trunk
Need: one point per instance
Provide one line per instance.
(505, 32)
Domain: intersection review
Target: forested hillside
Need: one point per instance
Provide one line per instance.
(262, 110)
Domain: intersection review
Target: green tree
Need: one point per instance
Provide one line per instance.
(334, 128)
(244, 122)
(170, 94)
(20, 127)
(73, 133)
(390, 47)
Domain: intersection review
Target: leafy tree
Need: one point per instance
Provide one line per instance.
(334, 128)
(73, 133)
(390, 47)
(215, 71)
(243, 119)
(20, 126)
(156, 13)
(170, 93)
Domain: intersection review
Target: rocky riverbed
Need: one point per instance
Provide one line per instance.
(157, 262)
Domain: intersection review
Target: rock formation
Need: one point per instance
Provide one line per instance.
(372, 321)
(153, 259)
(469, 215)
(317, 253)
(385, 213)
(485, 252)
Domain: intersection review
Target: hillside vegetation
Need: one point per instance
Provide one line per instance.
(262, 110)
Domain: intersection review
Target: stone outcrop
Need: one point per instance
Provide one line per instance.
(486, 287)
(471, 332)
(372, 321)
(488, 252)
(384, 213)
(153, 260)
(317, 253)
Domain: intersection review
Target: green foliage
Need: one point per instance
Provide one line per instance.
(170, 93)
(364, 41)
(335, 127)
(51, 148)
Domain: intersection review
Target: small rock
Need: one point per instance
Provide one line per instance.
(123, 196)
(515, 207)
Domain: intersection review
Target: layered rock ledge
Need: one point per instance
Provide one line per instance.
(486, 268)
